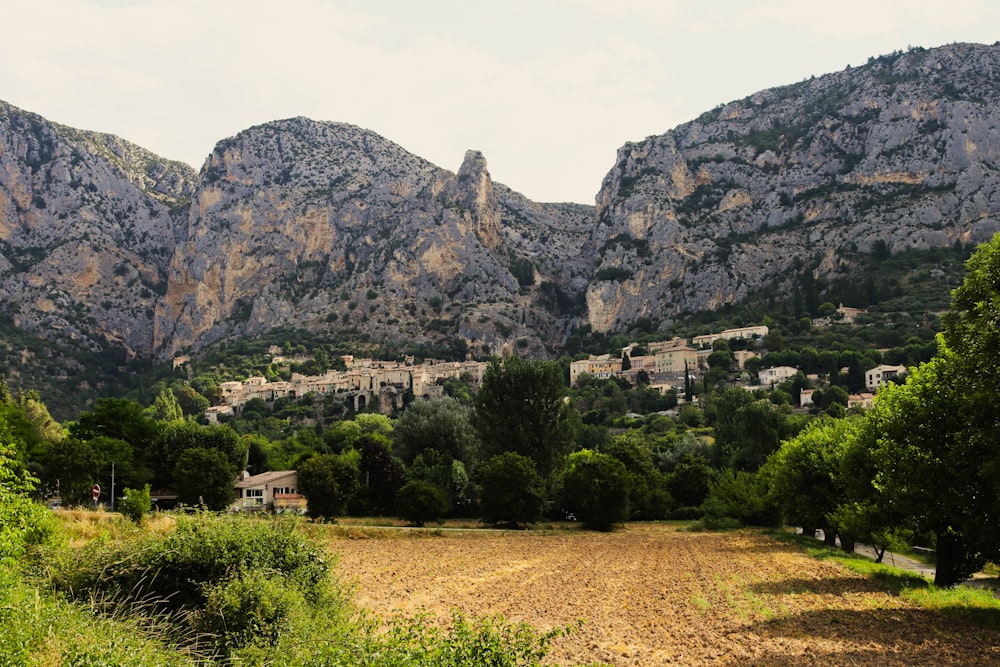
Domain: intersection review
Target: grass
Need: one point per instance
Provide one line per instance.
(977, 604)
(261, 587)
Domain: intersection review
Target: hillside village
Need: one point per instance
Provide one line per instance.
(665, 366)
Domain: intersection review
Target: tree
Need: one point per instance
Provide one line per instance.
(747, 430)
(740, 495)
(117, 418)
(134, 503)
(420, 502)
(805, 475)
(328, 481)
(204, 476)
(177, 437)
(166, 408)
(931, 470)
(381, 473)
(521, 408)
(626, 362)
(443, 424)
(511, 491)
(648, 498)
(595, 489)
(690, 480)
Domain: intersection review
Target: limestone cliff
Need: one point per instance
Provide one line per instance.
(329, 227)
(748, 196)
(86, 230)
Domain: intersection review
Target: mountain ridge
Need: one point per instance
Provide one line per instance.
(332, 228)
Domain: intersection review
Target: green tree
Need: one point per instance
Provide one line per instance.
(648, 497)
(116, 418)
(177, 437)
(204, 476)
(22, 521)
(689, 481)
(806, 474)
(747, 430)
(521, 408)
(595, 489)
(166, 408)
(328, 481)
(931, 470)
(135, 503)
(443, 424)
(511, 492)
(382, 474)
(420, 502)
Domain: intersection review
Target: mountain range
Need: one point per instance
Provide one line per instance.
(331, 228)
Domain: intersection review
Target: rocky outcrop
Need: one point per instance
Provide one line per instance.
(329, 227)
(751, 195)
(87, 227)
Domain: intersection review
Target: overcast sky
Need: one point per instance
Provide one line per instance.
(548, 90)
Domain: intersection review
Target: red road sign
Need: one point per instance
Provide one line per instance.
(95, 491)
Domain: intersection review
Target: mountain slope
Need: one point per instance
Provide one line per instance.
(334, 229)
(756, 193)
(85, 227)
(331, 227)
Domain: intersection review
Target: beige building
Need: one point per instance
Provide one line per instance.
(730, 334)
(259, 492)
(673, 359)
(882, 374)
(776, 375)
(603, 367)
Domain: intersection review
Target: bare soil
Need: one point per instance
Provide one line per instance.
(656, 595)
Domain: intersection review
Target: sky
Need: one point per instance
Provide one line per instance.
(548, 90)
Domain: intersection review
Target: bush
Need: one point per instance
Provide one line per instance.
(176, 569)
(420, 502)
(135, 503)
(250, 610)
(740, 496)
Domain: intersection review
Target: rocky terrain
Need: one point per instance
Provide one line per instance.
(333, 228)
(755, 193)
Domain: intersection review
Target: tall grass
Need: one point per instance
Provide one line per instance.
(208, 590)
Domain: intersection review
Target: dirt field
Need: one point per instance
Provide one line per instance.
(653, 595)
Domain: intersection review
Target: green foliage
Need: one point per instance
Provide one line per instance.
(595, 488)
(420, 502)
(177, 437)
(444, 424)
(166, 408)
(205, 477)
(487, 642)
(382, 473)
(511, 491)
(176, 569)
(135, 503)
(328, 482)
(520, 408)
(739, 495)
(648, 497)
(806, 473)
(747, 430)
(249, 610)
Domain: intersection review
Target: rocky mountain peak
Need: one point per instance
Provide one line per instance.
(904, 151)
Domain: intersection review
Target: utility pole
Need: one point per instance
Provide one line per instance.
(112, 486)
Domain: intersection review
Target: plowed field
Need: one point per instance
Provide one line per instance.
(653, 595)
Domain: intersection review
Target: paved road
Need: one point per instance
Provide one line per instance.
(897, 560)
